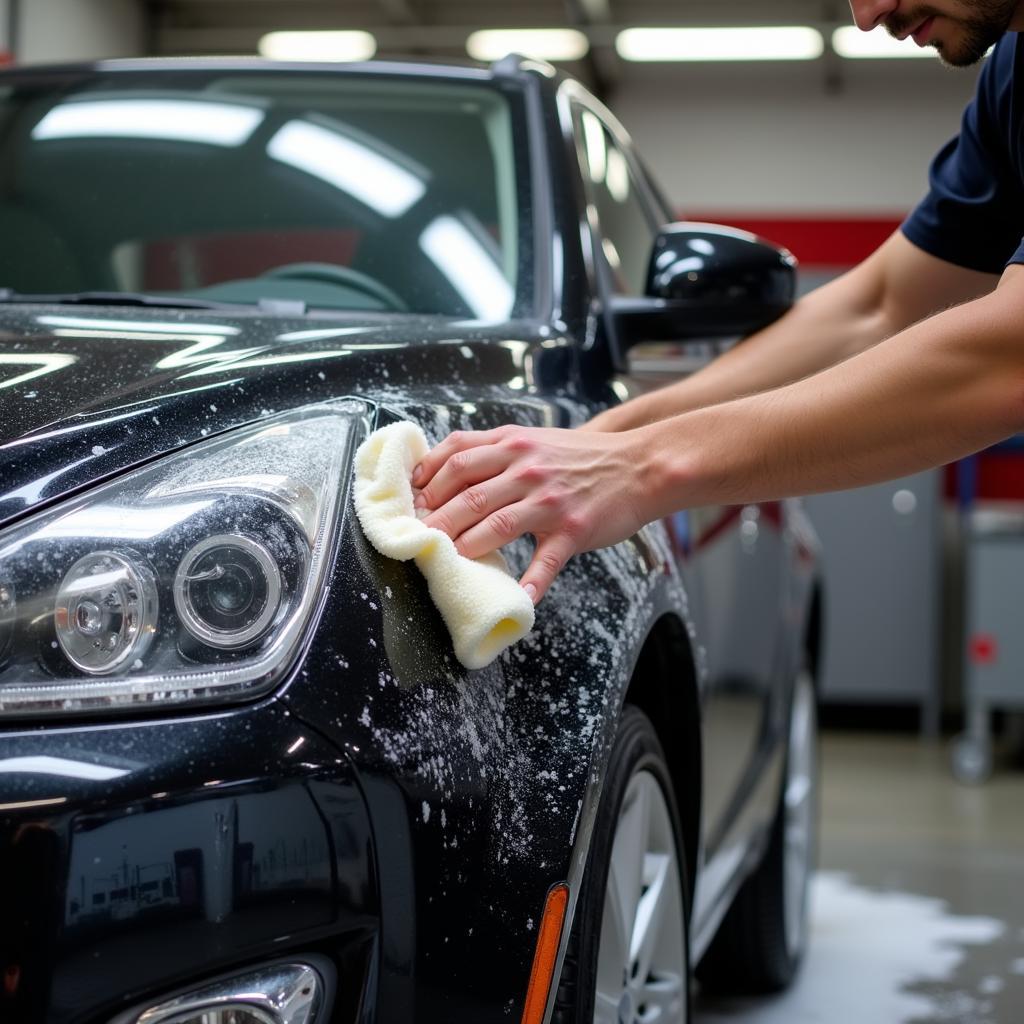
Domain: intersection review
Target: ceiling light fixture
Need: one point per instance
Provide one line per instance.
(326, 46)
(853, 44)
(539, 43)
(793, 42)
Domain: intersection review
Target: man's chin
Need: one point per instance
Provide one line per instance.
(959, 58)
(964, 55)
(970, 45)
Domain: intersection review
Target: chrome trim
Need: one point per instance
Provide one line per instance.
(285, 993)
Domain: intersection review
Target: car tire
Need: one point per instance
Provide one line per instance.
(616, 969)
(762, 940)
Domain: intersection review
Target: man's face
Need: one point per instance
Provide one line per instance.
(961, 30)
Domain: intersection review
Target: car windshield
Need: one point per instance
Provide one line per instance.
(338, 190)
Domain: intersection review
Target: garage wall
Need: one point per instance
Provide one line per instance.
(57, 30)
(780, 142)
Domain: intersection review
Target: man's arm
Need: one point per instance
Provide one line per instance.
(945, 387)
(892, 289)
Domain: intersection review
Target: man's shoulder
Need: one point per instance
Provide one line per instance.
(1001, 76)
(1006, 56)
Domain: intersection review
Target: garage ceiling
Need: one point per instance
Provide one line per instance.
(439, 28)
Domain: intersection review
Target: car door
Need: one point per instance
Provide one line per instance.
(730, 558)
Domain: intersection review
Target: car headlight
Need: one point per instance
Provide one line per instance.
(187, 581)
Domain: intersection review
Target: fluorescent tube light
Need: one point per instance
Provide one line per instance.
(794, 42)
(617, 177)
(354, 167)
(217, 124)
(597, 148)
(328, 46)
(539, 43)
(43, 764)
(469, 267)
(850, 42)
(43, 362)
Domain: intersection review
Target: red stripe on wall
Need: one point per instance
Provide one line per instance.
(835, 242)
(815, 241)
(1000, 477)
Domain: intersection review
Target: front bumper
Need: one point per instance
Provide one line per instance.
(140, 857)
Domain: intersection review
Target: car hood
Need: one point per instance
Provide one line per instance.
(87, 393)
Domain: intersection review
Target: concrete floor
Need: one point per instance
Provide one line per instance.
(918, 911)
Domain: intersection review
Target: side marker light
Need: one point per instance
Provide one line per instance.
(544, 957)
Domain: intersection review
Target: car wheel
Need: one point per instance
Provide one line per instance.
(627, 960)
(762, 939)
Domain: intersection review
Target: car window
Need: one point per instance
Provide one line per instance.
(341, 190)
(627, 230)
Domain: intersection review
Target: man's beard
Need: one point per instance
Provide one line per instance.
(988, 21)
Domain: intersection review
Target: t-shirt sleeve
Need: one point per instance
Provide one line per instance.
(973, 213)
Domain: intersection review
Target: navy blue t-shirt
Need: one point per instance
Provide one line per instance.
(973, 215)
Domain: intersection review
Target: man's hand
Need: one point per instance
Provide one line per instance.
(573, 491)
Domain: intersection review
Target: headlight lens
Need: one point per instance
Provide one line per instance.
(188, 581)
(106, 611)
(227, 590)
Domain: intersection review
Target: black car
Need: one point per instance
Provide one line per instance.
(243, 778)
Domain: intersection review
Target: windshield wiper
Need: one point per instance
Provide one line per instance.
(9, 295)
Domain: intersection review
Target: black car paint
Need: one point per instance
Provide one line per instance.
(414, 743)
(195, 789)
(449, 802)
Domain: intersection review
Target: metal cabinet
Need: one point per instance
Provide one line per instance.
(994, 648)
(882, 573)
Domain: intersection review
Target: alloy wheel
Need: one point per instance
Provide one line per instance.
(641, 955)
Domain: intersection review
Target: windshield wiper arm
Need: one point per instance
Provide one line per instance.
(9, 295)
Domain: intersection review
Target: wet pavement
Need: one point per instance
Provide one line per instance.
(918, 912)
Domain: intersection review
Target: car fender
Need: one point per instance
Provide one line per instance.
(481, 786)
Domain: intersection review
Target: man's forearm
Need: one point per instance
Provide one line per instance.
(950, 385)
(936, 392)
(815, 334)
(895, 287)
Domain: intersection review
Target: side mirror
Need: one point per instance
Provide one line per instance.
(704, 282)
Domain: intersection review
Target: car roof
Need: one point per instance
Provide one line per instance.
(509, 67)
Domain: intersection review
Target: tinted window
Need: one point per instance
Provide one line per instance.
(341, 190)
(627, 233)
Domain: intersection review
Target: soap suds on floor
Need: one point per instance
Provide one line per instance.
(991, 985)
(871, 954)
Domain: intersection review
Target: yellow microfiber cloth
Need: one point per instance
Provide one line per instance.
(484, 608)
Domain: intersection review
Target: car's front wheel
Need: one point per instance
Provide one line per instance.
(627, 961)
